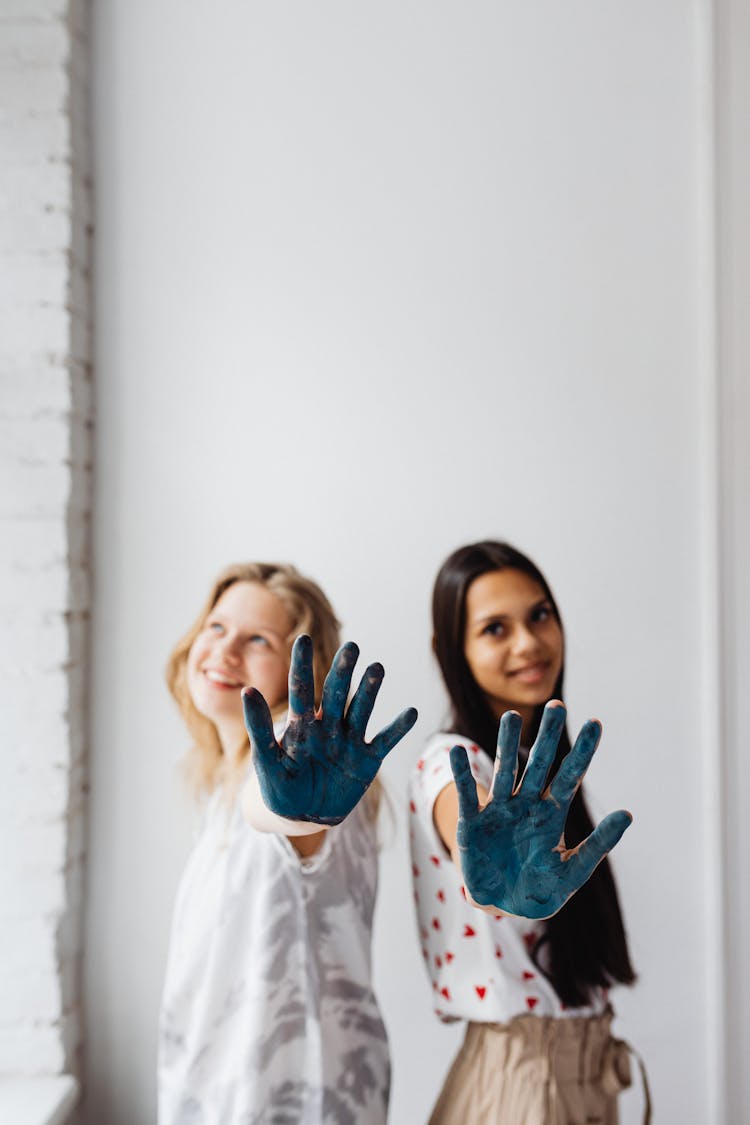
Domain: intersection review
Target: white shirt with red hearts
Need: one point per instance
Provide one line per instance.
(480, 965)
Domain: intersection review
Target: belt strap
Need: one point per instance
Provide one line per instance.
(617, 1077)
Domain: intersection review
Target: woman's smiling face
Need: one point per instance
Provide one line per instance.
(243, 643)
(513, 641)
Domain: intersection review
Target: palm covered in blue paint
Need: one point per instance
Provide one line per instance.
(321, 766)
(512, 851)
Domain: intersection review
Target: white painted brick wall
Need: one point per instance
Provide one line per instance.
(46, 413)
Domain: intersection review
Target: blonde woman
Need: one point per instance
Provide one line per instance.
(268, 1012)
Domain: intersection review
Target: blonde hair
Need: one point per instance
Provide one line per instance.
(310, 611)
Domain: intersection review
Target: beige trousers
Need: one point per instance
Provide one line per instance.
(536, 1070)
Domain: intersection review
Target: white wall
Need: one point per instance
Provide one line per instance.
(732, 42)
(373, 281)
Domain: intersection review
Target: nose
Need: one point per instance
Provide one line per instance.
(524, 641)
(227, 649)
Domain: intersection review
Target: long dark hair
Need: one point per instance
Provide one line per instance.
(586, 946)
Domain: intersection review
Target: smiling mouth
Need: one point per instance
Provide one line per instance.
(532, 672)
(218, 679)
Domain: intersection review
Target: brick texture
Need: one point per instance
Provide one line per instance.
(46, 415)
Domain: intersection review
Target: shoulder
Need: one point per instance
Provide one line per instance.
(432, 771)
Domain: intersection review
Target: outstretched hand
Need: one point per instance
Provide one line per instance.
(321, 766)
(512, 851)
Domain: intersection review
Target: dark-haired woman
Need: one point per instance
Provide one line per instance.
(520, 939)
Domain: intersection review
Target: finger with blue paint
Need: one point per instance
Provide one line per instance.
(512, 852)
(506, 759)
(337, 683)
(321, 766)
(301, 682)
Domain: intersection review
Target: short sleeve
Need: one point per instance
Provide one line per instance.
(433, 770)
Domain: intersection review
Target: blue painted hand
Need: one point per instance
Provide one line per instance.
(322, 765)
(512, 851)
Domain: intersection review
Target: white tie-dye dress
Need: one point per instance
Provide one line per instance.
(268, 1014)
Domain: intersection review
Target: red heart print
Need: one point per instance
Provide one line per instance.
(469, 931)
(480, 991)
(531, 1002)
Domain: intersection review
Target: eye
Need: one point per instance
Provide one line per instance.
(258, 641)
(493, 629)
(215, 627)
(541, 614)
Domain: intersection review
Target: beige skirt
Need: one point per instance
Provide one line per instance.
(536, 1070)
